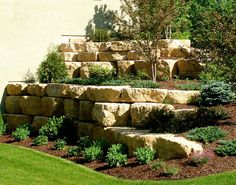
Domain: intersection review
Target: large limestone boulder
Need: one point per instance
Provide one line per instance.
(80, 46)
(78, 92)
(36, 89)
(140, 112)
(125, 67)
(58, 90)
(72, 108)
(104, 93)
(181, 113)
(112, 56)
(52, 106)
(70, 56)
(38, 122)
(174, 43)
(12, 104)
(92, 46)
(121, 46)
(133, 55)
(85, 129)
(181, 97)
(87, 56)
(66, 47)
(111, 114)
(31, 105)
(85, 110)
(73, 69)
(189, 68)
(15, 120)
(143, 95)
(105, 46)
(15, 89)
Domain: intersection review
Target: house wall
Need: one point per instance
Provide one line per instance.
(29, 26)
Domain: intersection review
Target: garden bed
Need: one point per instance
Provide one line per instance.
(133, 170)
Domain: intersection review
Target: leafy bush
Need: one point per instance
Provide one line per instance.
(52, 68)
(102, 143)
(157, 165)
(2, 126)
(216, 93)
(170, 170)
(115, 155)
(99, 35)
(52, 128)
(60, 144)
(144, 155)
(206, 134)
(40, 140)
(141, 75)
(92, 153)
(227, 148)
(84, 142)
(73, 151)
(21, 133)
(101, 72)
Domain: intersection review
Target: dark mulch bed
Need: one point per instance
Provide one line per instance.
(133, 170)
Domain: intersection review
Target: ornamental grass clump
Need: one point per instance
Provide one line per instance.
(226, 148)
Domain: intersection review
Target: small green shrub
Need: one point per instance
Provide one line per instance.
(216, 93)
(157, 165)
(141, 75)
(206, 134)
(2, 126)
(21, 133)
(99, 35)
(115, 155)
(189, 86)
(52, 128)
(144, 84)
(102, 143)
(226, 148)
(101, 72)
(40, 140)
(53, 67)
(84, 142)
(92, 153)
(73, 151)
(170, 170)
(60, 144)
(144, 155)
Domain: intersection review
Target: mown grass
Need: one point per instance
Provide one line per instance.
(20, 166)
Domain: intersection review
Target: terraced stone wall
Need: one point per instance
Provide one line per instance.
(123, 56)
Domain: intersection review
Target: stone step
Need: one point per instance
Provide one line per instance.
(168, 146)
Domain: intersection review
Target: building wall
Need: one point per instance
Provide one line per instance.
(29, 26)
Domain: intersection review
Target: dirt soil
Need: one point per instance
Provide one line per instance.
(133, 170)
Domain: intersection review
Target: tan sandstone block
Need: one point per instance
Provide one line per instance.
(36, 89)
(140, 112)
(85, 129)
(189, 68)
(52, 106)
(121, 46)
(38, 122)
(15, 120)
(72, 108)
(112, 56)
(70, 56)
(105, 46)
(12, 104)
(111, 114)
(58, 90)
(65, 47)
(78, 92)
(92, 46)
(16, 89)
(31, 105)
(125, 67)
(87, 56)
(143, 95)
(181, 97)
(80, 46)
(85, 110)
(133, 55)
(73, 69)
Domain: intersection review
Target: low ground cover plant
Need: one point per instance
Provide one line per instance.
(189, 86)
(116, 155)
(40, 140)
(144, 155)
(22, 132)
(157, 165)
(73, 151)
(170, 170)
(206, 134)
(226, 148)
(60, 144)
(92, 153)
(200, 158)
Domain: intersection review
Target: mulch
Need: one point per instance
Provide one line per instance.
(133, 170)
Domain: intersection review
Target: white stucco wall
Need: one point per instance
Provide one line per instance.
(29, 26)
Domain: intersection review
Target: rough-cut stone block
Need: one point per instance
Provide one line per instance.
(12, 105)
(70, 56)
(181, 97)
(71, 108)
(87, 56)
(141, 111)
(112, 56)
(189, 68)
(52, 106)
(15, 120)
(105, 46)
(85, 110)
(181, 113)
(121, 46)
(73, 69)
(111, 114)
(125, 67)
(104, 93)
(80, 46)
(36, 89)
(167, 68)
(92, 46)
(38, 122)
(31, 105)
(78, 92)
(143, 95)
(173, 43)
(86, 67)
(65, 47)
(99, 132)
(85, 129)
(133, 55)
(15, 89)
(58, 90)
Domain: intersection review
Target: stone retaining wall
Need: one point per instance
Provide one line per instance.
(123, 56)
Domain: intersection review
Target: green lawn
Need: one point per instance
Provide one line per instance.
(20, 166)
